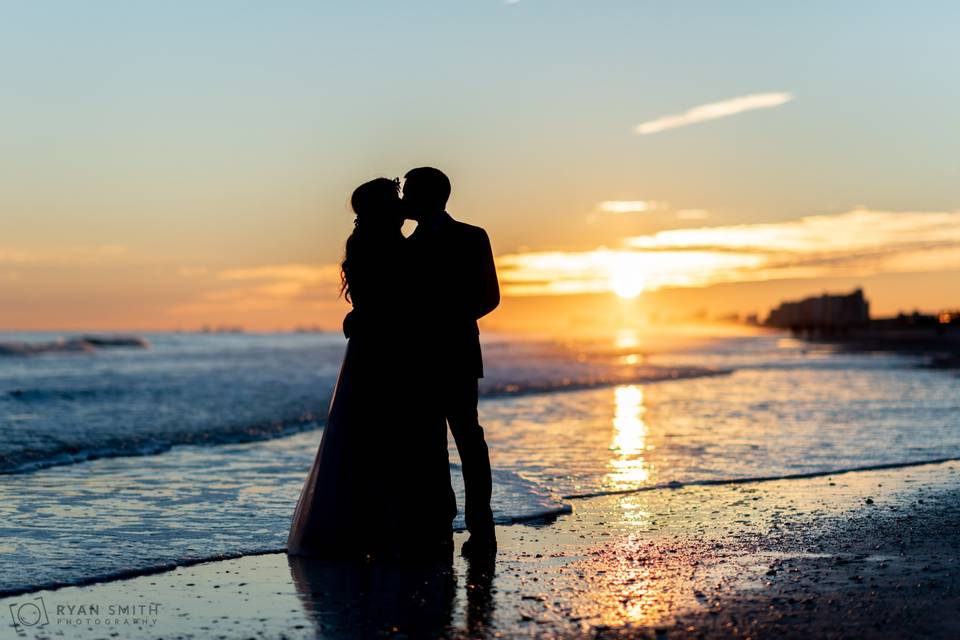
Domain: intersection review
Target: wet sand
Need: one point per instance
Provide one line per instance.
(870, 554)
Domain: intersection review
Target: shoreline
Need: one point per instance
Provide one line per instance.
(759, 479)
(831, 555)
(128, 574)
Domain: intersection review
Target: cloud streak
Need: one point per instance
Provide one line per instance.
(628, 206)
(263, 288)
(713, 111)
(855, 243)
(68, 256)
(850, 244)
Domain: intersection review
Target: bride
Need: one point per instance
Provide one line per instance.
(380, 482)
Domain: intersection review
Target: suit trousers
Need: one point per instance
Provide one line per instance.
(460, 395)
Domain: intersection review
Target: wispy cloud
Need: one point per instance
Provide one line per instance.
(68, 256)
(693, 214)
(628, 206)
(855, 243)
(265, 287)
(849, 231)
(713, 111)
(621, 207)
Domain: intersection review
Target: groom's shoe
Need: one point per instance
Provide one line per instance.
(480, 545)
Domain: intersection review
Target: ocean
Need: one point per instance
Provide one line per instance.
(117, 460)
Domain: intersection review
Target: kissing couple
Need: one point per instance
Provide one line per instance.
(380, 483)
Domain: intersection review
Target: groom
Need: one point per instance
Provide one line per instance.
(455, 261)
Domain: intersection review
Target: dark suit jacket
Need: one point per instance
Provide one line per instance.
(454, 264)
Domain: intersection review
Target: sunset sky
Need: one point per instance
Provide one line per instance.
(175, 164)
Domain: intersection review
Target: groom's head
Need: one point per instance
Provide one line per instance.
(425, 192)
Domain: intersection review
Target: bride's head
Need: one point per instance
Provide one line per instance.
(377, 206)
(379, 219)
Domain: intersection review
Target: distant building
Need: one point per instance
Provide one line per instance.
(824, 314)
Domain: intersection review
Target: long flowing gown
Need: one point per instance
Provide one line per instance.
(380, 481)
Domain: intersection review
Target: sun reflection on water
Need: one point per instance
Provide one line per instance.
(627, 339)
(628, 467)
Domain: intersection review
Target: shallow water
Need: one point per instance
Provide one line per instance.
(643, 419)
(754, 422)
(62, 407)
(113, 516)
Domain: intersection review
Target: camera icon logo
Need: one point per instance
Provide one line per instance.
(32, 613)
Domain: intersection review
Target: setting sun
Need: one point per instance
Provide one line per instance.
(626, 283)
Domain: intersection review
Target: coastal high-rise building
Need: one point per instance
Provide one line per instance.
(823, 313)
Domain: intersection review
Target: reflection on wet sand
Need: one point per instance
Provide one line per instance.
(351, 599)
(480, 602)
(628, 467)
(630, 583)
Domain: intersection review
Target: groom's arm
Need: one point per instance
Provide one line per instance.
(488, 296)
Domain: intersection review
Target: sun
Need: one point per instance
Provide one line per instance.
(626, 282)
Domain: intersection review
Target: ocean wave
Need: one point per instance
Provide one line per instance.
(644, 375)
(78, 344)
(46, 394)
(56, 454)
(146, 419)
(126, 574)
(129, 517)
(161, 567)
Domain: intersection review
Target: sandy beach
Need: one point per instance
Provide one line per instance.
(807, 492)
(857, 555)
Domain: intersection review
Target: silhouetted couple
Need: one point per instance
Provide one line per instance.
(380, 483)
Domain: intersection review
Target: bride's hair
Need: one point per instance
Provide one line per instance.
(373, 203)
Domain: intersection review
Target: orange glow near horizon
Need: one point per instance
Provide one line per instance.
(118, 287)
(855, 243)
